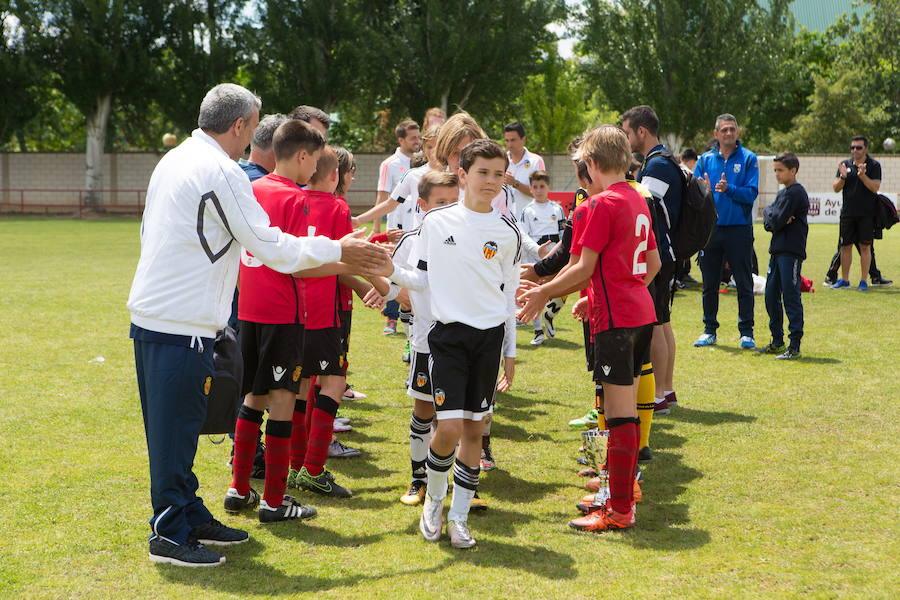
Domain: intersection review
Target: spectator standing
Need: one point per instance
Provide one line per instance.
(732, 171)
(261, 161)
(522, 163)
(858, 178)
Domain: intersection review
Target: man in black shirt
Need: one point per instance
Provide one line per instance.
(859, 179)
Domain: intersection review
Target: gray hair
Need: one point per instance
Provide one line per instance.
(225, 104)
(265, 131)
(725, 117)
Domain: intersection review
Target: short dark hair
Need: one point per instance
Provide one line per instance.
(404, 127)
(641, 116)
(481, 149)
(789, 160)
(308, 113)
(515, 126)
(539, 175)
(580, 166)
(295, 135)
(860, 138)
(689, 154)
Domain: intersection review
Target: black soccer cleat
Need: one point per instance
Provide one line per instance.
(645, 454)
(214, 533)
(235, 503)
(191, 554)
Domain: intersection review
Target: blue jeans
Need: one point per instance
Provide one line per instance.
(391, 310)
(783, 288)
(172, 384)
(735, 244)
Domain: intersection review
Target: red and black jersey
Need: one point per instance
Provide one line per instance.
(330, 217)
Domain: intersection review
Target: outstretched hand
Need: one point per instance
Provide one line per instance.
(366, 257)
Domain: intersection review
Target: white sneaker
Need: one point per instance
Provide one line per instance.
(341, 427)
(351, 394)
(432, 520)
(459, 534)
(342, 420)
(538, 339)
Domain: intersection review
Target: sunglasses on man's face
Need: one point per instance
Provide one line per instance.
(857, 147)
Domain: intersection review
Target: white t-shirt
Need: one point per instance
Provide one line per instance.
(406, 192)
(522, 170)
(469, 261)
(542, 218)
(407, 248)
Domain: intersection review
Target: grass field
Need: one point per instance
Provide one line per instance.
(772, 479)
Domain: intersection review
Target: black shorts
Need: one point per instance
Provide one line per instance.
(273, 357)
(464, 366)
(420, 377)
(620, 353)
(857, 230)
(323, 352)
(346, 319)
(661, 290)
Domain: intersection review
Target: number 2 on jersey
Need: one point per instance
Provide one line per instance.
(641, 230)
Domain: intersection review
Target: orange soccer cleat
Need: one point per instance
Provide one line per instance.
(603, 520)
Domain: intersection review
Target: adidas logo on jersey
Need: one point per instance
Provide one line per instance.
(450, 241)
(278, 373)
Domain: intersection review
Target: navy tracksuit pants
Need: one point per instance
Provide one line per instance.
(733, 243)
(173, 385)
(783, 288)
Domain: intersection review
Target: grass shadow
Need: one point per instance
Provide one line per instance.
(506, 431)
(319, 536)
(501, 484)
(533, 560)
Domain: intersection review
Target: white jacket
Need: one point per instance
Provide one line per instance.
(200, 210)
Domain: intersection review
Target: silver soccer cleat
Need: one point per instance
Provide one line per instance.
(459, 534)
(432, 521)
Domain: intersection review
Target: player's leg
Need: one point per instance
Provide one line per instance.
(793, 305)
(419, 426)
(299, 432)
(773, 307)
(465, 484)
(711, 262)
(646, 408)
(275, 506)
(739, 252)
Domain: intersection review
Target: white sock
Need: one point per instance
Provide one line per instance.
(465, 482)
(419, 440)
(436, 472)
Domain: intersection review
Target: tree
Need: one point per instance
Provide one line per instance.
(100, 52)
(23, 80)
(556, 104)
(466, 54)
(688, 59)
(203, 47)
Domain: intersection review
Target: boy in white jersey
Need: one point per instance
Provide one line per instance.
(468, 257)
(436, 189)
(543, 222)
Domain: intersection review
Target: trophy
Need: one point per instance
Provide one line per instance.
(594, 442)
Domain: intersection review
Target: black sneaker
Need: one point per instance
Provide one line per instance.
(881, 281)
(772, 348)
(191, 554)
(235, 503)
(322, 484)
(645, 454)
(289, 510)
(829, 281)
(789, 354)
(214, 533)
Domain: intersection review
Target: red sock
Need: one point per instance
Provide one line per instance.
(311, 402)
(320, 434)
(620, 460)
(298, 435)
(246, 431)
(278, 447)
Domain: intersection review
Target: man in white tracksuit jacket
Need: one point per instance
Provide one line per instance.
(200, 211)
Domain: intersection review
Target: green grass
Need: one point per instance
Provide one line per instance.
(773, 479)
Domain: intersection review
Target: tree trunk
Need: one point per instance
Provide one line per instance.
(96, 142)
(673, 142)
(444, 99)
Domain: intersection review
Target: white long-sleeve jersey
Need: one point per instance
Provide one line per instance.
(469, 261)
(200, 211)
(406, 249)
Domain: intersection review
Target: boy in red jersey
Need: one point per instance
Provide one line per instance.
(271, 310)
(323, 347)
(618, 256)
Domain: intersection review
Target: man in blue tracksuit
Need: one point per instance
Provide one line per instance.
(732, 172)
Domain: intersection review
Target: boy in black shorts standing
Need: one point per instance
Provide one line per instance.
(618, 256)
(468, 257)
(786, 219)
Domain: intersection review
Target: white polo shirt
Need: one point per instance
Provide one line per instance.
(522, 170)
(391, 171)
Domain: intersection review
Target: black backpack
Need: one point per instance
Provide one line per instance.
(224, 397)
(698, 212)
